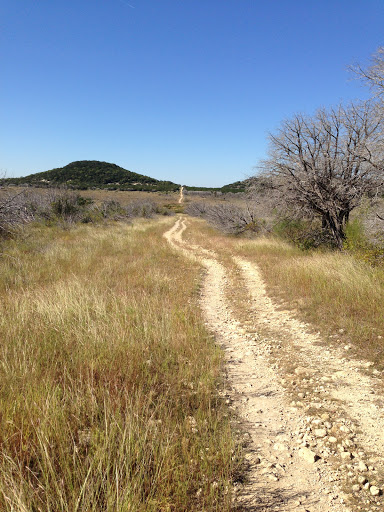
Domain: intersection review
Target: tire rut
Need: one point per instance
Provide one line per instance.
(282, 475)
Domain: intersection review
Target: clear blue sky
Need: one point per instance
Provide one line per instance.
(184, 90)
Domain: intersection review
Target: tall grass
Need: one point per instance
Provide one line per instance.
(340, 294)
(107, 376)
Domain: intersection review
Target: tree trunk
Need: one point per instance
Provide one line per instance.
(335, 225)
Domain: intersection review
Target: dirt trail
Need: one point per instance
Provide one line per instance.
(314, 427)
(181, 197)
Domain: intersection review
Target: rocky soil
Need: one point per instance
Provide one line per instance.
(311, 417)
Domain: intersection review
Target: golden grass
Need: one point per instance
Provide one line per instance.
(338, 294)
(124, 197)
(107, 376)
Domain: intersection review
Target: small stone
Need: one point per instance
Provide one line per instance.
(308, 455)
(362, 466)
(346, 455)
(320, 432)
(257, 460)
(356, 488)
(375, 491)
(362, 480)
(332, 440)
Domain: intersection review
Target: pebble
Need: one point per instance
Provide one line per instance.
(320, 432)
(308, 454)
(375, 491)
(362, 466)
(279, 446)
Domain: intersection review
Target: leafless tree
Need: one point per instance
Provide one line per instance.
(324, 164)
(373, 75)
(13, 210)
(228, 217)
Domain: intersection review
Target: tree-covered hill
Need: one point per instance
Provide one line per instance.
(237, 186)
(86, 174)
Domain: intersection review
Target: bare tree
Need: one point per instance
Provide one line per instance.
(13, 211)
(373, 75)
(229, 217)
(324, 164)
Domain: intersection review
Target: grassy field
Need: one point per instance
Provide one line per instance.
(108, 376)
(340, 295)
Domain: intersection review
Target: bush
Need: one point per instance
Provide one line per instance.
(70, 206)
(358, 244)
(141, 208)
(304, 234)
(14, 211)
(228, 217)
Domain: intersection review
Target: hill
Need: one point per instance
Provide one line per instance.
(237, 186)
(86, 174)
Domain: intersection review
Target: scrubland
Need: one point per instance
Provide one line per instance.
(108, 375)
(109, 378)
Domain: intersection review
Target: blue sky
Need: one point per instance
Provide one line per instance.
(184, 90)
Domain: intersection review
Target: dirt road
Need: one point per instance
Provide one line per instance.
(312, 416)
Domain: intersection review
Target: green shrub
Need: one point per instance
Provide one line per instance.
(304, 234)
(358, 244)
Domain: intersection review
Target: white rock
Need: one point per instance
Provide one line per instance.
(308, 454)
(346, 455)
(375, 491)
(279, 446)
(362, 466)
(320, 432)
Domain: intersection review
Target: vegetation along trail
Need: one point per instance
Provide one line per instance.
(312, 414)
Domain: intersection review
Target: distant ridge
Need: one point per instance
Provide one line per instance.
(236, 187)
(93, 174)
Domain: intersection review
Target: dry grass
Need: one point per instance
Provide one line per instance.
(122, 196)
(107, 376)
(340, 295)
